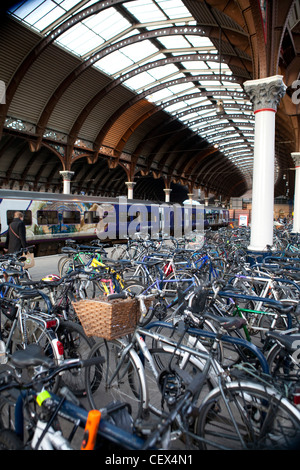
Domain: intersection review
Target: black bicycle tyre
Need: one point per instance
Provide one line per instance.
(76, 344)
(136, 289)
(264, 418)
(170, 359)
(9, 440)
(61, 261)
(127, 385)
(281, 363)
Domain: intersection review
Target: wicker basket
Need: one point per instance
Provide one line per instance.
(107, 319)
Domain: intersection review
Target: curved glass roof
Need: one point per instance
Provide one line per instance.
(156, 47)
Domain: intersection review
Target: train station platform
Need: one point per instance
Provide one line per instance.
(44, 265)
(47, 265)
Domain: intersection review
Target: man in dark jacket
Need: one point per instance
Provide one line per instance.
(16, 234)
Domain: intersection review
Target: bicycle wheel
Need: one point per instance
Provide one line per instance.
(61, 260)
(69, 264)
(9, 440)
(273, 321)
(175, 370)
(76, 345)
(282, 364)
(137, 289)
(134, 251)
(119, 252)
(247, 416)
(119, 378)
(181, 281)
(7, 410)
(36, 333)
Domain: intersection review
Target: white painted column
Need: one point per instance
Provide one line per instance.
(167, 194)
(265, 95)
(296, 219)
(190, 196)
(67, 177)
(130, 185)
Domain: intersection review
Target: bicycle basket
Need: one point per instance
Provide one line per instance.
(8, 308)
(107, 319)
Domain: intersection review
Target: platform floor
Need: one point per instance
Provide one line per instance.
(44, 265)
(47, 265)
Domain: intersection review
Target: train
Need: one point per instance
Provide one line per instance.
(52, 218)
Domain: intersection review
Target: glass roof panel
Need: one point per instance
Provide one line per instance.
(142, 80)
(145, 10)
(107, 23)
(90, 35)
(170, 42)
(68, 4)
(42, 13)
(173, 8)
(113, 62)
(136, 51)
(80, 38)
(24, 9)
(200, 41)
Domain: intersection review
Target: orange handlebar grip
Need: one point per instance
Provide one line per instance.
(91, 429)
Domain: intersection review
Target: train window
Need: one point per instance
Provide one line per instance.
(91, 217)
(27, 216)
(47, 217)
(71, 217)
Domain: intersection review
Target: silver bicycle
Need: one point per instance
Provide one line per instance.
(228, 414)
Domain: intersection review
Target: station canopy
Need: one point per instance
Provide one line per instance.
(177, 55)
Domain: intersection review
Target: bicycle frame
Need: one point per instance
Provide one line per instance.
(199, 357)
(158, 286)
(240, 310)
(224, 338)
(45, 320)
(114, 283)
(78, 416)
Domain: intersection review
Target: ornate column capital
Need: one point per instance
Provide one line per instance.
(167, 194)
(130, 184)
(265, 93)
(66, 175)
(296, 158)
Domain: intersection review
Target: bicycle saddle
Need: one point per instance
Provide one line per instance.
(33, 355)
(69, 250)
(290, 342)
(228, 323)
(28, 294)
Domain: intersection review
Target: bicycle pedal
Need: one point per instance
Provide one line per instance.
(145, 428)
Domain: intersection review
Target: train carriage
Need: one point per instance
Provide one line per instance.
(51, 218)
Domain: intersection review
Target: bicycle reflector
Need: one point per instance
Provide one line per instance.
(297, 396)
(59, 347)
(168, 269)
(51, 324)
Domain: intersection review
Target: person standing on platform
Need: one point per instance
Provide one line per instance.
(16, 234)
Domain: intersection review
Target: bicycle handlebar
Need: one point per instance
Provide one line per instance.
(121, 295)
(33, 356)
